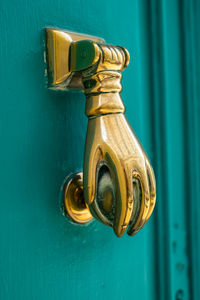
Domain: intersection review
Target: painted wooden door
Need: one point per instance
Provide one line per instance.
(43, 256)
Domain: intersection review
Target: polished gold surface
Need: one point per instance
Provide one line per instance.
(118, 180)
(58, 44)
(75, 207)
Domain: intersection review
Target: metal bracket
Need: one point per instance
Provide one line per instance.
(58, 43)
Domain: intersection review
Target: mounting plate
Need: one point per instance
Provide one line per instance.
(57, 53)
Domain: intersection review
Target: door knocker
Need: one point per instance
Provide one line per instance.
(117, 186)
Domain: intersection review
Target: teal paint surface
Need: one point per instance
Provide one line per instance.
(42, 132)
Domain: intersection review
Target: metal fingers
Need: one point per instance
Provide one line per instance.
(119, 185)
(112, 203)
(152, 187)
(138, 221)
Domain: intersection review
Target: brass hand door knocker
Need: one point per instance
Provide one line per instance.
(118, 185)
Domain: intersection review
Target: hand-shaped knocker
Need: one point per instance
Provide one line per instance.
(118, 180)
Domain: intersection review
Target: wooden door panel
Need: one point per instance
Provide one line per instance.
(42, 255)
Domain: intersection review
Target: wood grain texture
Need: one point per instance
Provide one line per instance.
(42, 132)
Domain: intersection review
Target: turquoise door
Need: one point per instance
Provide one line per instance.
(42, 255)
